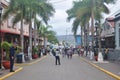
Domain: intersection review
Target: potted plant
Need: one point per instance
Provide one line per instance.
(35, 52)
(5, 62)
(19, 55)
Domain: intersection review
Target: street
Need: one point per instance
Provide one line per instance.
(70, 69)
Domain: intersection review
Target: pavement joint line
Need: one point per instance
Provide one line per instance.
(28, 64)
(103, 70)
(11, 73)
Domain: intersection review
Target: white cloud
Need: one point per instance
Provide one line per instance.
(58, 21)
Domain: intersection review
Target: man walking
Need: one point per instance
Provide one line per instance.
(12, 56)
(57, 57)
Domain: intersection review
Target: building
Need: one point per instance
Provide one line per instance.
(111, 37)
(11, 33)
(108, 33)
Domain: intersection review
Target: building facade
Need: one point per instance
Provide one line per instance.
(111, 35)
(108, 33)
(11, 33)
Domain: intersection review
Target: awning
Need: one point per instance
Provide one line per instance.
(107, 33)
(7, 31)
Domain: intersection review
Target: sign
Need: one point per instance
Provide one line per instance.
(78, 40)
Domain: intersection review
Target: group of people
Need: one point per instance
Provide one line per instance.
(55, 51)
(65, 52)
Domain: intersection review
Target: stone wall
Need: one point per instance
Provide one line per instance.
(114, 55)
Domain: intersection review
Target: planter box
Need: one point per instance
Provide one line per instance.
(6, 64)
(34, 56)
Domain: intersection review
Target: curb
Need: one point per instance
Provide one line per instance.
(10, 74)
(103, 70)
(21, 68)
(28, 64)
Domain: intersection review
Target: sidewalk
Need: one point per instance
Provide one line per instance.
(18, 67)
(4, 72)
(112, 67)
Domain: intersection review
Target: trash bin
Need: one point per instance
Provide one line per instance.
(19, 58)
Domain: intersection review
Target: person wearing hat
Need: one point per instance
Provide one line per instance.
(12, 56)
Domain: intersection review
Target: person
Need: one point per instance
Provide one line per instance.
(106, 54)
(39, 54)
(12, 56)
(69, 53)
(4, 54)
(57, 57)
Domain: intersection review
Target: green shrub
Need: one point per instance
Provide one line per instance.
(35, 50)
(6, 46)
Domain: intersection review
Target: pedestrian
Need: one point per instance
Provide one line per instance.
(106, 54)
(39, 54)
(12, 56)
(82, 51)
(57, 57)
(4, 54)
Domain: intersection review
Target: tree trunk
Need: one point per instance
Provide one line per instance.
(35, 33)
(92, 23)
(30, 30)
(30, 36)
(81, 36)
(44, 42)
(22, 36)
(21, 33)
(99, 39)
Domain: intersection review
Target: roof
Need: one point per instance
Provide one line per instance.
(111, 21)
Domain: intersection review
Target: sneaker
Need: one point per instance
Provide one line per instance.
(12, 71)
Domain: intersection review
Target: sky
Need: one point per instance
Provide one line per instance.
(59, 21)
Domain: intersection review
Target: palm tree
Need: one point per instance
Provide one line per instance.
(27, 10)
(78, 11)
(17, 8)
(45, 32)
(41, 8)
(84, 8)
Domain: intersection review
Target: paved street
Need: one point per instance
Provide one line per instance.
(70, 69)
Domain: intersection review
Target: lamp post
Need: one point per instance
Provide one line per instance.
(0, 35)
(98, 44)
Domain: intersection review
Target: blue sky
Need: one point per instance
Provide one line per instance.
(59, 22)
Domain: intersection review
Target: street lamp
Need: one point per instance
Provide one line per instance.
(96, 41)
(0, 33)
(96, 27)
(98, 44)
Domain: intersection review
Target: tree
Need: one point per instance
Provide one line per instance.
(81, 17)
(41, 8)
(52, 37)
(83, 11)
(17, 9)
(28, 10)
(45, 32)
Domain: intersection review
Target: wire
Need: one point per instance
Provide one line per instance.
(58, 1)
